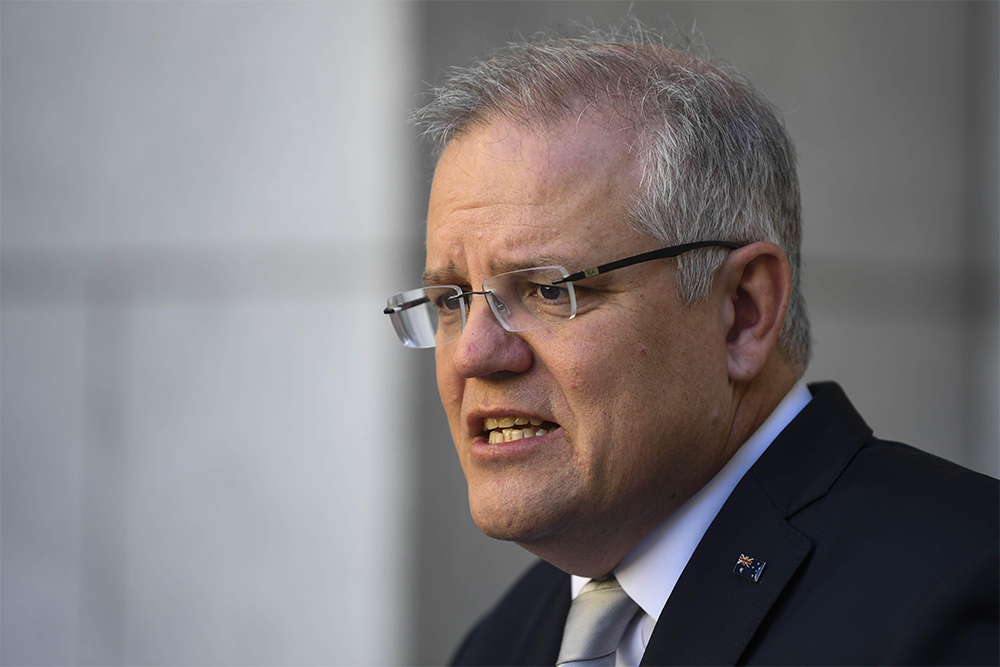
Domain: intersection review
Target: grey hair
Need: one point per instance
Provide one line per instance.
(715, 158)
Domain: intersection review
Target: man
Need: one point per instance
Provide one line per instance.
(612, 291)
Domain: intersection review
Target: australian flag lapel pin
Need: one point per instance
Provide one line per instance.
(748, 568)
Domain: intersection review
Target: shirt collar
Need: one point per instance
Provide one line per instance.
(649, 572)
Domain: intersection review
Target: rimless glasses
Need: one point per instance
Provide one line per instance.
(521, 300)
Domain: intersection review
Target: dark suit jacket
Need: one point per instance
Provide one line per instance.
(876, 553)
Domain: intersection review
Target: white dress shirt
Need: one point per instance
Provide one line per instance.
(649, 572)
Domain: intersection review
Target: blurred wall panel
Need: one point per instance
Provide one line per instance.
(893, 107)
(981, 279)
(204, 455)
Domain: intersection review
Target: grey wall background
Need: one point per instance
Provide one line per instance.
(203, 205)
(213, 451)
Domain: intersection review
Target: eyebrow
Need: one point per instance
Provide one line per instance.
(444, 276)
(450, 274)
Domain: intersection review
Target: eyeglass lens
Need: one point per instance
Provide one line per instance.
(428, 316)
(527, 299)
(520, 300)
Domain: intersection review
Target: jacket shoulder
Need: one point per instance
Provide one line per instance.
(903, 569)
(916, 492)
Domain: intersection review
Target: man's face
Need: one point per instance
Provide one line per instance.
(632, 387)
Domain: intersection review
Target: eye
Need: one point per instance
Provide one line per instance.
(500, 305)
(548, 293)
(548, 301)
(551, 292)
(449, 302)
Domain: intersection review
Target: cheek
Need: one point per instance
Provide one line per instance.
(450, 385)
(600, 371)
(625, 375)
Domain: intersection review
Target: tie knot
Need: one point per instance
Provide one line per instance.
(596, 624)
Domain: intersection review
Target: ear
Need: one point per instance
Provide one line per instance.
(756, 284)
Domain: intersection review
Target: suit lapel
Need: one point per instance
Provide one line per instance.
(547, 636)
(712, 613)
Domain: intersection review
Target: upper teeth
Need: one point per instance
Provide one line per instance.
(506, 422)
(501, 428)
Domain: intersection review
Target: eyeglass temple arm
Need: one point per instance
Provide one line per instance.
(662, 253)
(389, 310)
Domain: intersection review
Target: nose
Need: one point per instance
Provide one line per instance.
(486, 349)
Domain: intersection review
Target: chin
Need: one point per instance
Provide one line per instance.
(519, 517)
(508, 524)
(513, 519)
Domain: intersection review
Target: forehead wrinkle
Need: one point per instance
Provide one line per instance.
(560, 156)
(508, 252)
(450, 273)
(550, 207)
(504, 265)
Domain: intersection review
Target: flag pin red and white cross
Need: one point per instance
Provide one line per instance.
(748, 568)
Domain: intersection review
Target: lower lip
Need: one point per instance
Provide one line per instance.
(482, 450)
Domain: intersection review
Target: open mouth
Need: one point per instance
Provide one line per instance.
(505, 429)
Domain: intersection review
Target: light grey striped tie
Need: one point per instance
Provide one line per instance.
(596, 624)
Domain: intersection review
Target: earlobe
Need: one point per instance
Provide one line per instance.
(758, 284)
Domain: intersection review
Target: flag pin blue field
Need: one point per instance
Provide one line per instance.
(748, 568)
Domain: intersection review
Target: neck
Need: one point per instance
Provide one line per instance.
(754, 401)
(595, 552)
